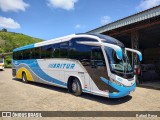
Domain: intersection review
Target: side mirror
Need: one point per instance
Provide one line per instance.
(135, 51)
(118, 50)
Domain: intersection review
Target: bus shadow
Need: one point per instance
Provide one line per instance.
(103, 100)
(107, 101)
(50, 87)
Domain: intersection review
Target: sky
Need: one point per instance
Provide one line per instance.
(48, 19)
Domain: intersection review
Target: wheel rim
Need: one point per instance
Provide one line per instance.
(74, 86)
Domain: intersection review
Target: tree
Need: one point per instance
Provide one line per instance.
(1, 50)
(4, 30)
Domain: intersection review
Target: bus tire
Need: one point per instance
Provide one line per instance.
(24, 78)
(76, 87)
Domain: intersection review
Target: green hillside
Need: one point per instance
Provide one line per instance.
(11, 40)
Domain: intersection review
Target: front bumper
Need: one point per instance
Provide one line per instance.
(1, 67)
(122, 90)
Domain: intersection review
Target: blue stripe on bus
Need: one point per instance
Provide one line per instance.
(48, 78)
(24, 47)
(33, 64)
(123, 91)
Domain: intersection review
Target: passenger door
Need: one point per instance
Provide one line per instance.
(98, 69)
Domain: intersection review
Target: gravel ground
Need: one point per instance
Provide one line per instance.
(18, 96)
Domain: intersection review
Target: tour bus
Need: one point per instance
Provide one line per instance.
(1, 63)
(89, 63)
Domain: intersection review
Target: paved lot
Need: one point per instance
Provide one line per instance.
(17, 96)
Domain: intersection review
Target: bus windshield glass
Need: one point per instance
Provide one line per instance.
(1, 60)
(116, 64)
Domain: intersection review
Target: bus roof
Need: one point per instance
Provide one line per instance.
(99, 37)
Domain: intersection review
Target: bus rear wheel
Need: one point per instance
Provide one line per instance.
(24, 77)
(76, 87)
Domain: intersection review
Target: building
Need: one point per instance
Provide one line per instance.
(139, 31)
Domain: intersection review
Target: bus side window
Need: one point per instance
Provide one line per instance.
(19, 55)
(80, 52)
(55, 49)
(15, 57)
(26, 54)
(32, 54)
(46, 51)
(37, 53)
(43, 52)
(49, 50)
(97, 58)
(63, 53)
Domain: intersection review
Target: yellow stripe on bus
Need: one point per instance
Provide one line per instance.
(28, 75)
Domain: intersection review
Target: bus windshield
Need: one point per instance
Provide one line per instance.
(116, 64)
(1, 60)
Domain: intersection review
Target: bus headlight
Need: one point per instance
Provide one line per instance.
(116, 82)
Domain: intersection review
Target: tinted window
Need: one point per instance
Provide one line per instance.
(56, 48)
(15, 57)
(97, 57)
(46, 51)
(37, 54)
(49, 51)
(43, 52)
(79, 51)
(19, 55)
(1, 60)
(32, 53)
(26, 54)
(63, 53)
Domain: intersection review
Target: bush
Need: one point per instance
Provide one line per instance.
(8, 61)
(8, 66)
(1, 50)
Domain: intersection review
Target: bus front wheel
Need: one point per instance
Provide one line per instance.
(76, 87)
(24, 78)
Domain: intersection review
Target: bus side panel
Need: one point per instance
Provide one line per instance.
(47, 72)
(62, 69)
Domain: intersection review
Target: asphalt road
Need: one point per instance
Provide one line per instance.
(18, 96)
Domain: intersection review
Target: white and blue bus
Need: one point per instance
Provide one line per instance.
(91, 63)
